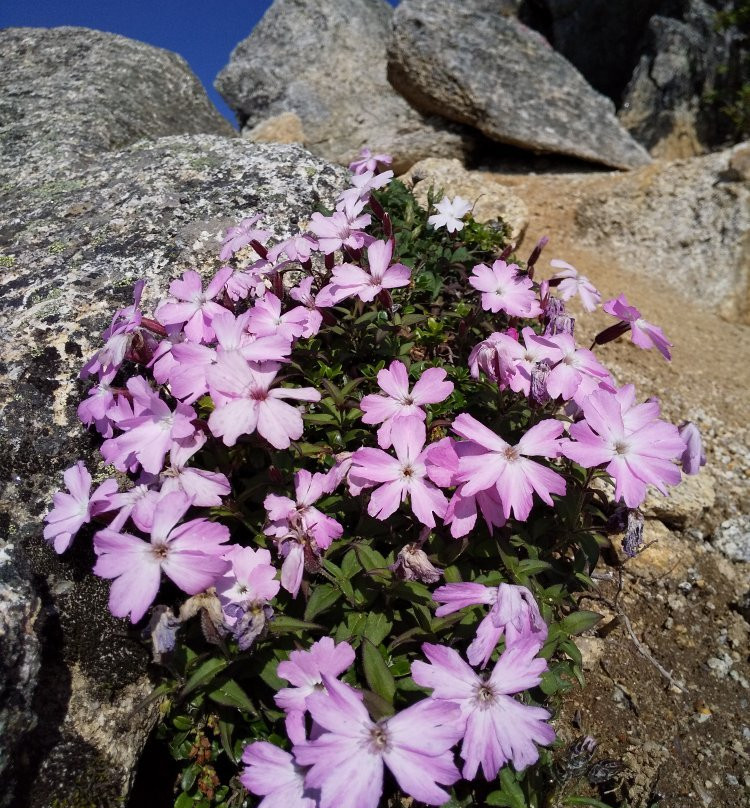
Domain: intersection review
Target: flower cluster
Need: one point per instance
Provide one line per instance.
(315, 456)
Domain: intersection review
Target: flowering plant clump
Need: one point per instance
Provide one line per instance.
(356, 492)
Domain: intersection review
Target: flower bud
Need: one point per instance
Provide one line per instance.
(538, 392)
(412, 564)
(694, 455)
(561, 324)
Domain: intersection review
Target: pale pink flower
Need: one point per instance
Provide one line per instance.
(189, 554)
(508, 468)
(527, 356)
(495, 356)
(341, 229)
(285, 513)
(93, 409)
(240, 236)
(348, 280)
(205, 488)
(368, 161)
(151, 432)
(187, 376)
(503, 289)
(297, 248)
(232, 335)
(192, 308)
(251, 580)
(346, 760)
(634, 457)
(71, 511)
(514, 612)
(643, 334)
(449, 214)
(571, 364)
(245, 402)
(303, 294)
(498, 729)
(265, 319)
(571, 283)
(399, 402)
(362, 185)
(271, 773)
(400, 476)
(137, 503)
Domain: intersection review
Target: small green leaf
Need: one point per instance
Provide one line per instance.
(187, 781)
(578, 622)
(230, 694)
(377, 627)
(585, 801)
(510, 795)
(322, 598)
(204, 674)
(282, 624)
(378, 676)
(226, 728)
(184, 801)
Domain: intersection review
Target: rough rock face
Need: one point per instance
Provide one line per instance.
(469, 63)
(69, 93)
(599, 37)
(664, 105)
(490, 199)
(71, 250)
(326, 63)
(685, 223)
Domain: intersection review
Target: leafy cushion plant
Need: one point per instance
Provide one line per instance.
(361, 473)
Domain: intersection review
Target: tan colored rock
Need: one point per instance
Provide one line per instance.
(284, 128)
(686, 504)
(491, 199)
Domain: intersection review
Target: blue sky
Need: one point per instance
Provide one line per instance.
(203, 32)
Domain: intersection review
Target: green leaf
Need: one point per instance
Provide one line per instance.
(533, 566)
(322, 598)
(578, 622)
(226, 728)
(378, 676)
(510, 794)
(282, 624)
(204, 674)
(187, 781)
(230, 694)
(377, 627)
(184, 801)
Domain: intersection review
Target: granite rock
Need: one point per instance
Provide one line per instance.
(732, 538)
(67, 94)
(476, 66)
(71, 251)
(325, 62)
(685, 222)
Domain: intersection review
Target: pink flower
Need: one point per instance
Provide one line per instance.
(189, 554)
(399, 477)
(694, 456)
(514, 611)
(240, 236)
(271, 773)
(137, 503)
(205, 488)
(449, 214)
(369, 162)
(347, 759)
(232, 335)
(305, 670)
(503, 289)
(636, 454)
(348, 280)
(341, 229)
(303, 294)
(245, 402)
(527, 356)
(191, 307)
(571, 283)
(496, 357)
(251, 580)
(118, 338)
(643, 334)
(187, 376)
(571, 364)
(265, 319)
(498, 729)
(93, 410)
(399, 402)
(362, 185)
(151, 432)
(507, 468)
(297, 248)
(72, 511)
(285, 513)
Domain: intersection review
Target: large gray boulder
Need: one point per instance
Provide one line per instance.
(666, 104)
(72, 678)
(686, 223)
(473, 64)
(324, 62)
(67, 94)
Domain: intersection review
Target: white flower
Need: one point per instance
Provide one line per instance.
(451, 211)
